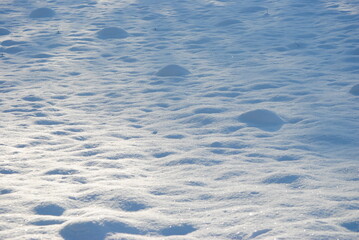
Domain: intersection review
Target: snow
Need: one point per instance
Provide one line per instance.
(262, 118)
(112, 32)
(4, 31)
(355, 90)
(204, 119)
(95, 229)
(42, 13)
(172, 70)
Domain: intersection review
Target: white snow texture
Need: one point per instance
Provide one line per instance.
(202, 119)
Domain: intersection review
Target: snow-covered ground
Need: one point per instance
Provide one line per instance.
(178, 119)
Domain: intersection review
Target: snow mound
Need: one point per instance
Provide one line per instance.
(42, 13)
(48, 122)
(178, 230)
(95, 229)
(32, 98)
(7, 171)
(132, 206)
(253, 9)
(5, 191)
(61, 171)
(47, 222)
(208, 110)
(355, 90)
(13, 50)
(282, 179)
(42, 55)
(172, 70)
(8, 43)
(174, 136)
(351, 226)
(227, 22)
(49, 209)
(4, 31)
(112, 32)
(263, 119)
(259, 232)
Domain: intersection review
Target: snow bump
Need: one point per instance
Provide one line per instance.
(132, 206)
(5, 191)
(172, 70)
(282, 179)
(48, 122)
(227, 22)
(7, 171)
(355, 90)
(208, 110)
(178, 230)
(112, 33)
(13, 50)
(47, 222)
(32, 98)
(42, 13)
(49, 209)
(8, 43)
(263, 119)
(4, 31)
(351, 226)
(95, 229)
(60, 171)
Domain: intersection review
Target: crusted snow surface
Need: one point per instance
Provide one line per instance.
(202, 119)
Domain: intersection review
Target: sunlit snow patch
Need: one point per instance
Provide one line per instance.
(172, 71)
(112, 32)
(42, 13)
(4, 31)
(263, 119)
